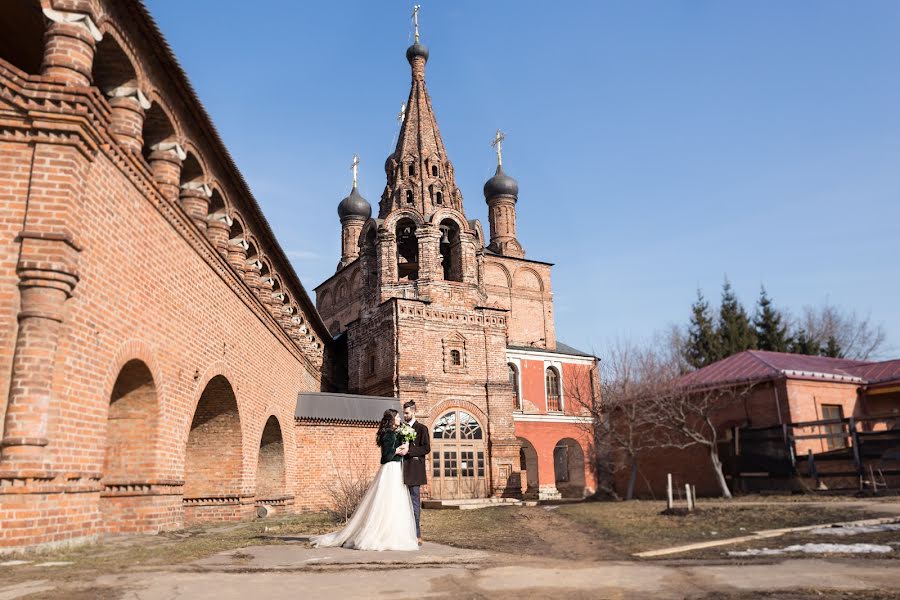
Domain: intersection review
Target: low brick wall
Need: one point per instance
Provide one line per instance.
(328, 451)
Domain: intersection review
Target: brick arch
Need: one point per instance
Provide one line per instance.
(135, 349)
(390, 223)
(497, 274)
(191, 148)
(372, 225)
(478, 231)
(452, 214)
(522, 277)
(214, 454)
(218, 368)
(570, 484)
(465, 405)
(129, 449)
(113, 40)
(271, 462)
(325, 299)
(159, 125)
(530, 478)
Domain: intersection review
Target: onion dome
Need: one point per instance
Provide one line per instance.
(354, 205)
(501, 184)
(415, 50)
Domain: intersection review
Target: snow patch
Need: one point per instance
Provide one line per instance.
(843, 530)
(13, 563)
(816, 549)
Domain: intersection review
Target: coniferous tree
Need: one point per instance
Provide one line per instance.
(734, 331)
(803, 343)
(701, 348)
(771, 333)
(832, 348)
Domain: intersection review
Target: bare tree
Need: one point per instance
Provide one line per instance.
(857, 337)
(621, 425)
(349, 481)
(686, 416)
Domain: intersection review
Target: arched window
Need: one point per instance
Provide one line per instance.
(438, 198)
(451, 251)
(407, 251)
(409, 197)
(434, 171)
(554, 402)
(412, 169)
(514, 382)
(455, 358)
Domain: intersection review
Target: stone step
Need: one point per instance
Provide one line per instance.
(473, 503)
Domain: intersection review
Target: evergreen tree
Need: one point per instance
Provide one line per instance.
(734, 331)
(771, 333)
(701, 348)
(832, 348)
(803, 343)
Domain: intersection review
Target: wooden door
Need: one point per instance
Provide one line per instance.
(458, 457)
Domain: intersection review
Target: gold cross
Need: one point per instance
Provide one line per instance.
(416, 20)
(354, 166)
(497, 143)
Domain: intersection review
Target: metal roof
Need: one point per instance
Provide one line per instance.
(343, 407)
(759, 365)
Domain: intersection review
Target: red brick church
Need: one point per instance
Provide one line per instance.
(162, 364)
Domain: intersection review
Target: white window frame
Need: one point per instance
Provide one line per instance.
(517, 363)
(556, 364)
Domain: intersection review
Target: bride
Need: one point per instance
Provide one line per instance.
(384, 519)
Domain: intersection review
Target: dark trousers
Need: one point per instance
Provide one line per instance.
(416, 497)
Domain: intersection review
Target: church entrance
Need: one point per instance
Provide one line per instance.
(457, 457)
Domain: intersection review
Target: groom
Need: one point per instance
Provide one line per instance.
(414, 462)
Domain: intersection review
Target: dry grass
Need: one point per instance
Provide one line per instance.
(614, 530)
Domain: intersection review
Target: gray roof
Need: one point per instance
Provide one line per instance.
(567, 349)
(343, 407)
(560, 349)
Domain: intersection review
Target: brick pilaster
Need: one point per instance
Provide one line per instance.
(165, 164)
(69, 45)
(237, 253)
(195, 197)
(128, 104)
(218, 229)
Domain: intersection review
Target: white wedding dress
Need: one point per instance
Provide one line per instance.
(384, 519)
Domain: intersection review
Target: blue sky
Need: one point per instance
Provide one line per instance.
(658, 145)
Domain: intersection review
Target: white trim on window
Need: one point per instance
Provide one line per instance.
(557, 366)
(517, 363)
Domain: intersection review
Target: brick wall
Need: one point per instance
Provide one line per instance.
(330, 453)
(129, 303)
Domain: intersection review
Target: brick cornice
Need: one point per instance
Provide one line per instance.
(76, 118)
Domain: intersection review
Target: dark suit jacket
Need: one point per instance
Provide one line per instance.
(414, 461)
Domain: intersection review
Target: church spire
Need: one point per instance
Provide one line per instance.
(419, 173)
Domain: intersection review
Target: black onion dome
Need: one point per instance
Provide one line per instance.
(501, 184)
(416, 49)
(388, 164)
(354, 205)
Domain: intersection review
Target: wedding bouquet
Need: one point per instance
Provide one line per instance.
(406, 433)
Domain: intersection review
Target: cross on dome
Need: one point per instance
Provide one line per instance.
(497, 143)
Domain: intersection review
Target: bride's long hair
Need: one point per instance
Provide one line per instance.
(387, 424)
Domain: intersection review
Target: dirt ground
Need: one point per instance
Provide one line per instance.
(582, 550)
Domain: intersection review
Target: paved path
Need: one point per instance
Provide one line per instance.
(296, 571)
